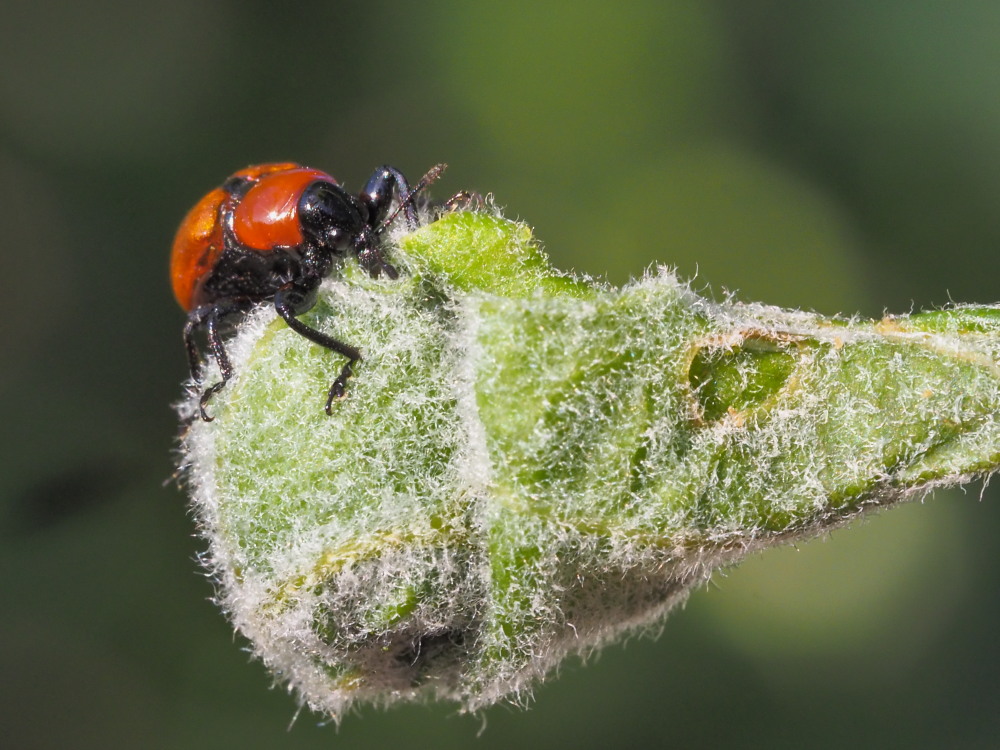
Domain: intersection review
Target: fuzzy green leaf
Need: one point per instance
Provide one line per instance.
(528, 464)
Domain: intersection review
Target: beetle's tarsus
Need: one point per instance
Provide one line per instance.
(466, 200)
(207, 396)
(339, 388)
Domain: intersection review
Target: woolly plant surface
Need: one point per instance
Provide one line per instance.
(529, 464)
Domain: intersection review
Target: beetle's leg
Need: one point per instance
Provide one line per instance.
(207, 316)
(466, 200)
(371, 259)
(289, 302)
(378, 193)
(211, 317)
(218, 349)
(382, 186)
(196, 319)
(377, 197)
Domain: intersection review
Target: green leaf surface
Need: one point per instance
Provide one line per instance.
(527, 464)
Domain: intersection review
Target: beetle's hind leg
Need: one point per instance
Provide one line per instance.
(196, 319)
(209, 317)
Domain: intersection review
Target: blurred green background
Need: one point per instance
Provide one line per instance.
(841, 156)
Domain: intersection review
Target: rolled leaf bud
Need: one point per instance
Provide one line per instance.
(528, 464)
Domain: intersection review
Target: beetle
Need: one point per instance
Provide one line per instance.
(272, 233)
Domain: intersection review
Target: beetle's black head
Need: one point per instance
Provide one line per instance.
(337, 223)
(332, 218)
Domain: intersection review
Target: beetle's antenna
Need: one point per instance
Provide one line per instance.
(405, 200)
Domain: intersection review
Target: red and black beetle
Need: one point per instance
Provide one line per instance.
(272, 233)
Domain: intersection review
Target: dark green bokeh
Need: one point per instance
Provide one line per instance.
(840, 156)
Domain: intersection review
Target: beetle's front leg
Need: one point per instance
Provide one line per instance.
(289, 301)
